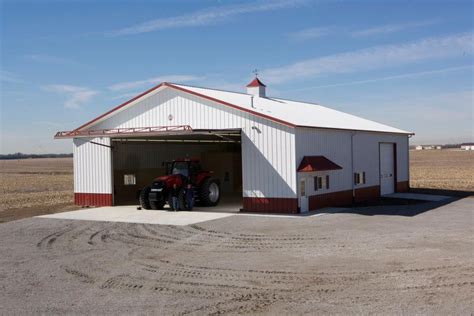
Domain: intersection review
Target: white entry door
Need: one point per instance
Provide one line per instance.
(387, 169)
(303, 196)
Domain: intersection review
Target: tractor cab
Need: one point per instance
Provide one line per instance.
(187, 168)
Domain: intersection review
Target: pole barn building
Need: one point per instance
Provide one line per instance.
(273, 155)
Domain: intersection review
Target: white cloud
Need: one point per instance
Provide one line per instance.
(207, 16)
(390, 28)
(321, 31)
(394, 77)
(125, 96)
(311, 33)
(150, 81)
(76, 95)
(374, 58)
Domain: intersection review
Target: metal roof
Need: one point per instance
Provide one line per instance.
(296, 113)
(287, 112)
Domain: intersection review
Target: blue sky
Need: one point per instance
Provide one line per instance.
(408, 64)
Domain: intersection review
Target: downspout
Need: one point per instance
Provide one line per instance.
(352, 166)
(408, 159)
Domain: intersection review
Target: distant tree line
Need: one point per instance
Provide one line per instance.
(446, 146)
(32, 156)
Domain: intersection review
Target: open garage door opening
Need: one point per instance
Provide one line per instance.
(138, 161)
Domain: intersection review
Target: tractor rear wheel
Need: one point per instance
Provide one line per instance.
(143, 198)
(210, 192)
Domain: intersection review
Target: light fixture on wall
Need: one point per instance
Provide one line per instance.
(255, 128)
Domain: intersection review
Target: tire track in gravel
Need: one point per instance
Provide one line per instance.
(150, 237)
(224, 289)
(48, 241)
(81, 276)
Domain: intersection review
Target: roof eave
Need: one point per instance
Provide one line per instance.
(357, 130)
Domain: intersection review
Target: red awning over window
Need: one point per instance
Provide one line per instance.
(317, 163)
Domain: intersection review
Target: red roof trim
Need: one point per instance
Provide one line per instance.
(232, 105)
(317, 163)
(256, 83)
(166, 84)
(120, 106)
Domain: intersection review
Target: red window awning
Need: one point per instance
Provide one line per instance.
(317, 163)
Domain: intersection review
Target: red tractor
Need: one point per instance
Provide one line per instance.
(181, 172)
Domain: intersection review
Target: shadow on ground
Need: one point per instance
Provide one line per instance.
(403, 207)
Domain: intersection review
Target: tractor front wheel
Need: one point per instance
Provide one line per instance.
(144, 199)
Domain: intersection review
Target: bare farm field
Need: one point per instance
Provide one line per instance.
(30, 187)
(442, 169)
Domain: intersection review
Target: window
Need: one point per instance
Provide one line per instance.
(303, 187)
(129, 179)
(321, 183)
(359, 178)
(180, 167)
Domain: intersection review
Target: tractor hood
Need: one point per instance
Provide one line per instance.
(169, 180)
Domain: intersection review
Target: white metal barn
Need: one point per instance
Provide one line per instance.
(275, 155)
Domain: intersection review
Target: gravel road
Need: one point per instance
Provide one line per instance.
(338, 263)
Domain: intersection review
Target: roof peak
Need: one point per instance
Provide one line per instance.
(256, 83)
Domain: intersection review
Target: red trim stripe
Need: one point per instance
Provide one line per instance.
(232, 105)
(93, 199)
(270, 205)
(120, 106)
(166, 84)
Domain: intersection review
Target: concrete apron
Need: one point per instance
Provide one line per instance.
(130, 214)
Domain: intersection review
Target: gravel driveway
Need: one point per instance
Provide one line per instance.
(337, 263)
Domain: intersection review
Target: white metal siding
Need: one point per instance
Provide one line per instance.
(336, 146)
(268, 148)
(366, 155)
(92, 165)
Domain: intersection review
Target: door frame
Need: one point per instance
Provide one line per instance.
(394, 166)
(305, 209)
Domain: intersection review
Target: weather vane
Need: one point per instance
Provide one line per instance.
(255, 71)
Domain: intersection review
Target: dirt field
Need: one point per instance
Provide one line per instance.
(343, 263)
(442, 169)
(32, 187)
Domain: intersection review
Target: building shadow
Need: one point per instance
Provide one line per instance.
(402, 207)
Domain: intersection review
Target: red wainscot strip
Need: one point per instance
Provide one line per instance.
(342, 198)
(93, 199)
(367, 194)
(270, 205)
(403, 186)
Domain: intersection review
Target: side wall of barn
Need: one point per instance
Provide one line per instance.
(268, 147)
(341, 147)
(92, 171)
